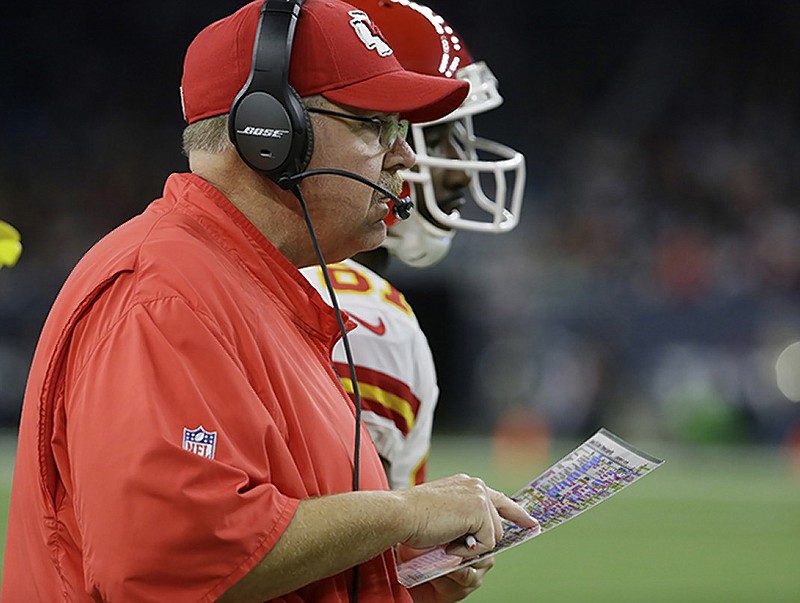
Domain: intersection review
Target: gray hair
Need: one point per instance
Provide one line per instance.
(211, 135)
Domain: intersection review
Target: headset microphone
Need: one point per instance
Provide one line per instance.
(401, 207)
(401, 210)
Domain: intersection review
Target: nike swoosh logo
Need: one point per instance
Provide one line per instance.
(378, 329)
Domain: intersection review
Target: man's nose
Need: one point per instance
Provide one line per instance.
(400, 156)
(454, 180)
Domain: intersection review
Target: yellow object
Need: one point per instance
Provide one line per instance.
(10, 245)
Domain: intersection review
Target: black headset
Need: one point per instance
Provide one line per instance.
(268, 123)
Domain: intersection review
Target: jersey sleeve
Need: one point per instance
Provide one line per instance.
(389, 406)
(395, 369)
(399, 410)
(166, 444)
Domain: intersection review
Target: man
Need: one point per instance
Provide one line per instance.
(395, 368)
(183, 437)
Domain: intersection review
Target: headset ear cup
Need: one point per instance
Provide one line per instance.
(304, 153)
(273, 136)
(263, 132)
(268, 122)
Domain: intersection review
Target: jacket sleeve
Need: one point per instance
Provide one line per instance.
(166, 439)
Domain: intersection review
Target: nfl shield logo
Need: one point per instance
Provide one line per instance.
(200, 442)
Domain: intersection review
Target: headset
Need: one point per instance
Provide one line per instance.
(268, 123)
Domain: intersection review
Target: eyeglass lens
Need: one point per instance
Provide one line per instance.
(392, 129)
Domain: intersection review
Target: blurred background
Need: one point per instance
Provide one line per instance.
(650, 287)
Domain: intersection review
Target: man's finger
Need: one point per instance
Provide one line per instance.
(508, 509)
(468, 577)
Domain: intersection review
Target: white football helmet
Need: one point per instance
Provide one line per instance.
(491, 186)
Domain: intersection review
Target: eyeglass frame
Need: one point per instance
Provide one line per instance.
(397, 128)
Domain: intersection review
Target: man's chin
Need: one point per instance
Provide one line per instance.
(376, 236)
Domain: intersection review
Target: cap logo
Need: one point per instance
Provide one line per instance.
(369, 35)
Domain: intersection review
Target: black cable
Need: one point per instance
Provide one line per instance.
(345, 340)
(402, 209)
(402, 206)
(295, 188)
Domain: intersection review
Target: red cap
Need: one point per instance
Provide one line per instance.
(337, 52)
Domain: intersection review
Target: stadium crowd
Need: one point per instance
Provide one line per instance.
(655, 275)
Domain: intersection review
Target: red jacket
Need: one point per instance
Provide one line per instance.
(180, 403)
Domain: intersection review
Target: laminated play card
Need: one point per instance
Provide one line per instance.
(594, 471)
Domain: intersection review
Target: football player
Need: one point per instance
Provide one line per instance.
(460, 182)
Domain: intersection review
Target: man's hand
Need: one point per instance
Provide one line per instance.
(446, 510)
(454, 586)
(330, 534)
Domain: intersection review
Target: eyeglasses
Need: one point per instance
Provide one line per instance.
(389, 130)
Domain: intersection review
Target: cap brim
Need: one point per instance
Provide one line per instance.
(416, 97)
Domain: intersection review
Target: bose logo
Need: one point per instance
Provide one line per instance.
(265, 132)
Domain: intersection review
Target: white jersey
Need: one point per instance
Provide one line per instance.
(394, 367)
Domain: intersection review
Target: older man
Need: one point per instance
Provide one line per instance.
(183, 436)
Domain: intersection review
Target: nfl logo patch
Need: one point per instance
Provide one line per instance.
(200, 442)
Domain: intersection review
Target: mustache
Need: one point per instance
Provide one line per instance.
(391, 181)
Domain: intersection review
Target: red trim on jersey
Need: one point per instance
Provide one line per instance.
(384, 383)
(421, 473)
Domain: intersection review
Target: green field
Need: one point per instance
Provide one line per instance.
(710, 525)
(7, 446)
(707, 526)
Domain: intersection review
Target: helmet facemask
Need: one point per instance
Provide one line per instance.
(493, 198)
